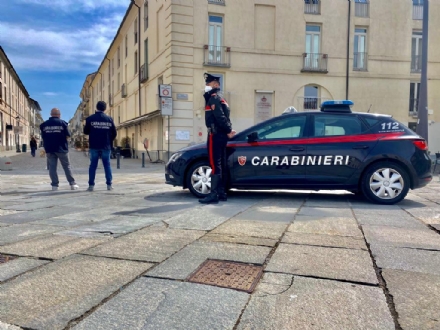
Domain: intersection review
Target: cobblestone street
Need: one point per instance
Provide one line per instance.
(124, 259)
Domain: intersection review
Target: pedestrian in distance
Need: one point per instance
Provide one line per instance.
(102, 132)
(55, 134)
(220, 130)
(33, 144)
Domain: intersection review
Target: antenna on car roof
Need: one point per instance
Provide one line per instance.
(369, 108)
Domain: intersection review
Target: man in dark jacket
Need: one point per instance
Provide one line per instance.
(102, 132)
(55, 133)
(219, 132)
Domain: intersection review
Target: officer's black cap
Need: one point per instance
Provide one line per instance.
(210, 78)
(101, 106)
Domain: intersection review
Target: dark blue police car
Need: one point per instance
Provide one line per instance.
(330, 149)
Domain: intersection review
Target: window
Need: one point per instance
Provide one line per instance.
(414, 92)
(312, 59)
(1, 90)
(215, 41)
(119, 57)
(360, 49)
(416, 52)
(285, 128)
(135, 31)
(311, 98)
(113, 66)
(361, 8)
(312, 7)
(135, 62)
(145, 15)
(126, 46)
(418, 9)
(328, 125)
(119, 80)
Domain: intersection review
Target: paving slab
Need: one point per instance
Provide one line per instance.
(416, 297)
(436, 226)
(409, 259)
(51, 296)
(150, 303)
(402, 237)
(429, 215)
(324, 262)
(229, 238)
(4, 326)
(315, 304)
(402, 220)
(51, 246)
(252, 228)
(18, 266)
(8, 212)
(325, 240)
(25, 217)
(186, 261)
(165, 211)
(325, 212)
(326, 226)
(206, 217)
(326, 203)
(270, 211)
(154, 244)
(16, 233)
(4, 224)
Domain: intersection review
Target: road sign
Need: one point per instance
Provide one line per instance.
(166, 106)
(165, 91)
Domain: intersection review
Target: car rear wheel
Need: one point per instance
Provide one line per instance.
(198, 179)
(385, 183)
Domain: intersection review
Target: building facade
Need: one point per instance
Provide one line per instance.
(269, 54)
(19, 113)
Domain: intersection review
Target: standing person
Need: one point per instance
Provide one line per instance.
(102, 132)
(220, 130)
(55, 134)
(33, 145)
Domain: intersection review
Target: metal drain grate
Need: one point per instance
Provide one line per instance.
(228, 274)
(5, 259)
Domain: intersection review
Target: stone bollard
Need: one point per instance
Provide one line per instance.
(5, 164)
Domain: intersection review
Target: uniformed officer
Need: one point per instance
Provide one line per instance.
(219, 126)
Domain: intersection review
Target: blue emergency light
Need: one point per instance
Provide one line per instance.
(336, 106)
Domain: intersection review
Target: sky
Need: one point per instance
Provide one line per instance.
(54, 44)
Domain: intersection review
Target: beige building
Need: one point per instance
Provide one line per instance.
(15, 107)
(270, 54)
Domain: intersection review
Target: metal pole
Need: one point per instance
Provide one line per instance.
(169, 138)
(348, 50)
(143, 159)
(118, 160)
(422, 124)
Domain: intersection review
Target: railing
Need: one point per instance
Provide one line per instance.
(360, 61)
(362, 9)
(418, 12)
(315, 62)
(310, 103)
(217, 56)
(144, 72)
(413, 107)
(124, 90)
(312, 7)
(416, 63)
(217, 2)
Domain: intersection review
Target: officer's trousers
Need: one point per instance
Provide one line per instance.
(217, 155)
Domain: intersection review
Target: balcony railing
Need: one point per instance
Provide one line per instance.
(124, 90)
(360, 61)
(310, 103)
(217, 2)
(418, 12)
(416, 63)
(413, 107)
(314, 62)
(144, 72)
(312, 7)
(217, 56)
(362, 9)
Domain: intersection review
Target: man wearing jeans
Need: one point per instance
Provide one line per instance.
(55, 133)
(102, 132)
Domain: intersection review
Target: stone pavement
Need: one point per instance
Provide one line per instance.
(121, 259)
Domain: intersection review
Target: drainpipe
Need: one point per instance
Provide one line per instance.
(139, 54)
(348, 51)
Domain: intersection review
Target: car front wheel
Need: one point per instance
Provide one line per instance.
(198, 179)
(385, 183)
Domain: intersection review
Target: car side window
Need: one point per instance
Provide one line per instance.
(285, 128)
(331, 125)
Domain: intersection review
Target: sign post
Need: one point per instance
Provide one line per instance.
(166, 107)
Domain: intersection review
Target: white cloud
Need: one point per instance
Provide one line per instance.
(35, 48)
(79, 5)
(50, 94)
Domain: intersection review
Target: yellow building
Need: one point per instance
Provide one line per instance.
(270, 54)
(15, 107)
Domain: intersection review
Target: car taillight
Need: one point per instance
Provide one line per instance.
(421, 144)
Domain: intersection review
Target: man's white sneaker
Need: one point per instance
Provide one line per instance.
(74, 187)
(54, 188)
(90, 188)
(109, 187)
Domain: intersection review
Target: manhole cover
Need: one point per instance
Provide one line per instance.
(228, 274)
(4, 259)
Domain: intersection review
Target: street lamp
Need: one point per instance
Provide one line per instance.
(17, 136)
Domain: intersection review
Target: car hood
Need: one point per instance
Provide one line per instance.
(193, 147)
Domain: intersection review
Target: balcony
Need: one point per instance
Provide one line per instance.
(312, 7)
(217, 2)
(360, 61)
(413, 107)
(416, 63)
(144, 73)
(217, 56)
(124, 91)
(314, 62)
(310, 103)
(362, 8)
(418, 12)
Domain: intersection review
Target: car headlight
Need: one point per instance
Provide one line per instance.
(175, 157)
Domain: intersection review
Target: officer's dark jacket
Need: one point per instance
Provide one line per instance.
(217, 112)
(101, 131)
(54, 133)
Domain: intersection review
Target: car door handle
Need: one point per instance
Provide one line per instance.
(360, 147)
(297, 149)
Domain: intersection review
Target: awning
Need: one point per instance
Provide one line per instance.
(137, 120)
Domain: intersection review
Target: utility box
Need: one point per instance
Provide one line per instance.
(5, 164)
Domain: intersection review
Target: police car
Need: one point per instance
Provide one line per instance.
(332, 149)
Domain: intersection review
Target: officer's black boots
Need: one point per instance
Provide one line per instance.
(222, 196)
(212, 198)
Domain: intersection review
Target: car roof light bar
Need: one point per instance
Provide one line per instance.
(337, 106)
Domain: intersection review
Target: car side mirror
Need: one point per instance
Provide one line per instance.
(252, 137)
